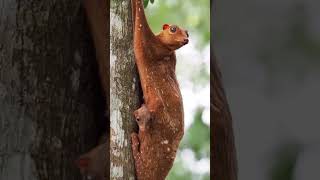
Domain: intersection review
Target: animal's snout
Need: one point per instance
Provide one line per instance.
(185, 41)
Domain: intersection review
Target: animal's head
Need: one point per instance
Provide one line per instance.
(173, 36)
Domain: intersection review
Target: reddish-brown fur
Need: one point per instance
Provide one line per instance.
(160, 118)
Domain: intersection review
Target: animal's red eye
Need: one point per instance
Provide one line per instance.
(165, 26)
(173, 29)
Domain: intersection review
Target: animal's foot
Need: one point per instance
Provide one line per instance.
(136, 151)
(135, 144)
(135, 141)
(143, 117)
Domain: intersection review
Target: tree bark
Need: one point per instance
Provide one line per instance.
(124, 90)
(223, 148)
(50, 98)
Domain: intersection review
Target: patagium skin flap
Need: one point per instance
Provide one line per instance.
(160, 118)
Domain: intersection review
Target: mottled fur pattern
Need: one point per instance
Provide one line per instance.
(160, 118)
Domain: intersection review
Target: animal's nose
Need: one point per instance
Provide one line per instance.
(185, 41)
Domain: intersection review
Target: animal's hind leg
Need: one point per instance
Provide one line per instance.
(137, 155)
(143, 117)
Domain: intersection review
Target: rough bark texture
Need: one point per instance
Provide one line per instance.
(123, 90)
(50, 97)
(223, 147)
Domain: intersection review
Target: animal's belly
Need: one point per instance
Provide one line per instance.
(162, 95)
(169, 115)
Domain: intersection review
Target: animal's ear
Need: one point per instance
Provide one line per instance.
(165, 26)
(82, 162)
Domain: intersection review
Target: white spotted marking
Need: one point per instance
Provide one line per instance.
(165, 142)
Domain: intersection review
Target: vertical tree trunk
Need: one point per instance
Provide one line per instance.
(49, 89)
(223, 148)
(123, 90)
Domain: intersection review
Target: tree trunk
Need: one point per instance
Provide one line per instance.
(223, 148)
(50, 98)
(123, 90)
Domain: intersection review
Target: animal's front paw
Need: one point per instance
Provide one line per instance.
(136, 150)
(143, 117)
(135, 143)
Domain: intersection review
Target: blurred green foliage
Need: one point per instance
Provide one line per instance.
(146, 2)
(197, 137)
(193, 15)
(201, 77)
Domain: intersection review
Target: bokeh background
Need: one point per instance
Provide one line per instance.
(193, 159)
(269, 52)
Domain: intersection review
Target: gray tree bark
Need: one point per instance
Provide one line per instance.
(49, 89)
(123, 90)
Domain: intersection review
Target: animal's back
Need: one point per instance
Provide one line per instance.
(161, 88)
